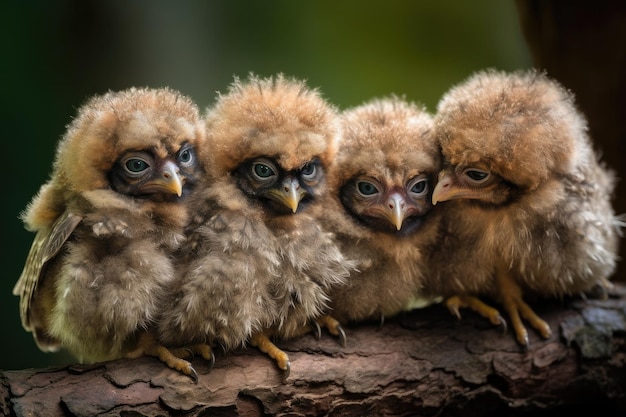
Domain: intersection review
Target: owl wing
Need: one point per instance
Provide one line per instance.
(46, 245)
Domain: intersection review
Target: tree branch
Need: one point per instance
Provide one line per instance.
(422, 363)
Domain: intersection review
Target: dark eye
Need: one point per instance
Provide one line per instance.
(262, 170)
(476, 175)
(366, 188)
(308, 171)
(420, 187)
(136, 165)
(186, 156)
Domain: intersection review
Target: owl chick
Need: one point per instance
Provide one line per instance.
(528, 206)
(258, 265)
(107, 222)
(379, 206)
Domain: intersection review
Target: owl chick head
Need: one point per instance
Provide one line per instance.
(386, 165)
(106, 126)
(276, 117)
(385, 137)
(521, 126)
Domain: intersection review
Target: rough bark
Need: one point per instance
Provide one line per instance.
(422, 363)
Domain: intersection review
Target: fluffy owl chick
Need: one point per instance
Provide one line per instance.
(259, 265)
(529, 204)
(107, 222)
(379, 206)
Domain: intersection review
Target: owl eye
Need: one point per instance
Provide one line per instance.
(136, 165)
(477, 176)
(262, 170)
(186, 156)
(366, 188)
(309, 171)
(419, 186)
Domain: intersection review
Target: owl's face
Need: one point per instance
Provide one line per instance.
(157, 174)
(476, 184)
(395, 206)
(279, 190)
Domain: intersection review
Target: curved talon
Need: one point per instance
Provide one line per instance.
(503, 325)
(342, 335)
(454, 310)
(211, 361)
(193, 374)
(318, 330)
(382, 321)
(286, 371)
(191, 354)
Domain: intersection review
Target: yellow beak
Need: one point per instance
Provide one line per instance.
(288, 193)
(168, 180)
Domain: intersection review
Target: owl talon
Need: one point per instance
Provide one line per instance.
(318, 330)
(453, 304)
(342, 336)
(211, 361)
(286, 371)
(193, 374)
(456, 302)
(191, 354)
(503, 325)
(333, 326)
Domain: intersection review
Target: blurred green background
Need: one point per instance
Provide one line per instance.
(58, 53)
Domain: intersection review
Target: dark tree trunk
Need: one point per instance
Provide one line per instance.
(422, 363)
(583, 45)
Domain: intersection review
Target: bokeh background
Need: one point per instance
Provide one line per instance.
(55, 54)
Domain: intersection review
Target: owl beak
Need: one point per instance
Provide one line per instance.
(396, 210)
(288, 193)
(168, 180)
(448, 189)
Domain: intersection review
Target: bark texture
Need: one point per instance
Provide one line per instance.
(423, 363)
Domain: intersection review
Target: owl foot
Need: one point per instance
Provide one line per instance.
(204, 350)
(148, 346)
(333, 326)
(518, 309)
(456, 302)
(264, 344)
(510, 295)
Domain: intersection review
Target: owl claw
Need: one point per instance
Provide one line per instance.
(286, 371)
(333, 326)
(193, 374)
(342, 336)
(191, 354)
(211, 361)
(318, 330)
(503, 324)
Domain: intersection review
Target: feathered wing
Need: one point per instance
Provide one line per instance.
(46, 245)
